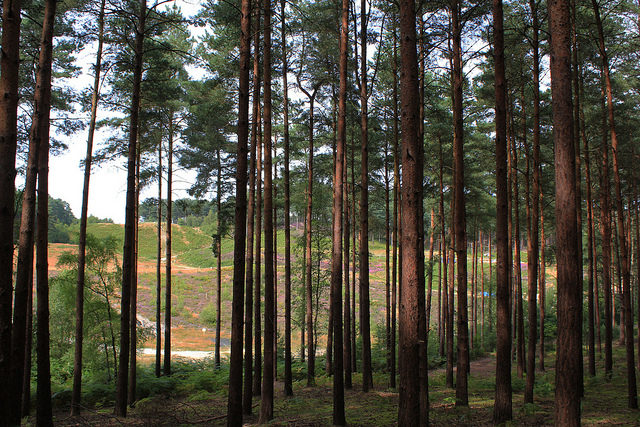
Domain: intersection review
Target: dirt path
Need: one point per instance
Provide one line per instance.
(484, 367)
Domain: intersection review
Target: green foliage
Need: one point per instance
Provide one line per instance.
(101, 321)
(208, 315)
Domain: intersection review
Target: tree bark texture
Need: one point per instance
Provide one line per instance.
(234, 404)
(409, 413)
(567, 397)
(502, 407)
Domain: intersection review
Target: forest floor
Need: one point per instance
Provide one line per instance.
(604, 404)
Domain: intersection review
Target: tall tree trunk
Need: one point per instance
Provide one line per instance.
(502, 406)
(590, 248)
(218, 244)
(533, 243)
(430, 269)
(257, 344)
(24, 279)
(518, 265)
(131, 394)
(543, 280)
(387, 256)
(443, 255)
(459, 223)
(336, 253)
(567, 398)
(354, 364)
(82, 239)
(266, 404)
(40, 130)
(396, 211)
(167, 304)
(624, 254)
(247, 392)
(311, 356)
(482, 290)
(9, 72)
(159, 268)
(409, 411)
(605, 231)
(365, 326)
(129, 228)
(234, 406)
(288, 376)
(275, 264)
(26, 379)
(348, 368)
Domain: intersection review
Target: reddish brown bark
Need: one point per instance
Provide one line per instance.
(365, 322)
(247, 392)
(409, 413)
(257, 319)
(168, 278)
(129, 233)
(459, 222)
(396, 212)
(234, 405)
(336, 253)
(567, 397)
(266, 404)
(9, 69)
(502, 406)
(288, 376)
(624, 253)
(40, 130)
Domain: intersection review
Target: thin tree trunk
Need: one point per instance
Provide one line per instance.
(482, 290)
(336, 253)
(82, 238)
(311, 358)
(626, 274)
(396, 212)
(266, 404)
(365, 326)
(502, 406)
(247, 392)
(543, 280)
(387, 256)
(234, 406)
(40, 130)
(129, 228)
(533, 243)
(218, 244)
(443, 255)
(567, 397)
(131, 394)
(167, 304)
(159, 269)
(257, 320)
(288, 376)
(430, 269)
(26, 379)
(348, 368)
(409, 412)
(518, 283)
(459, 223)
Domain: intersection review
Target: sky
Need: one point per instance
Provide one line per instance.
(107, 190)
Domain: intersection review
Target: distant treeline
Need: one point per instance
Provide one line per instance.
(63, 225)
